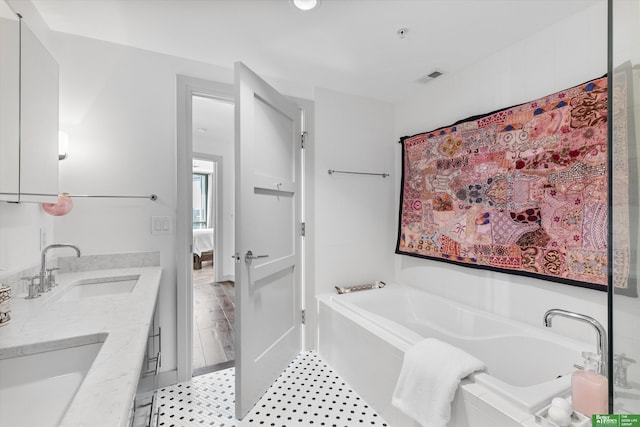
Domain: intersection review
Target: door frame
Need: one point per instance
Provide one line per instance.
(186, 88)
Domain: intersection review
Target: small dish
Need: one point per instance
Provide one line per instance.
(577, 419)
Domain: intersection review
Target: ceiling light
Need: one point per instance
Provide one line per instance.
(306, 4)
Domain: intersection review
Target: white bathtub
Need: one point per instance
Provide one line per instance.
(364, 335)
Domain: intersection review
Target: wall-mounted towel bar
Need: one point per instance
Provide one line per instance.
(153, 197)
(384, 175)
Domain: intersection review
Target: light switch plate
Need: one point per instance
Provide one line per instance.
(161, 225)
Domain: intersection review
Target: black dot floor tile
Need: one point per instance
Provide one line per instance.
(307, 393)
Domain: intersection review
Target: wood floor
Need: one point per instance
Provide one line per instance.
(213, 322)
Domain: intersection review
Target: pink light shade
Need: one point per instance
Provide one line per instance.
(62, 207)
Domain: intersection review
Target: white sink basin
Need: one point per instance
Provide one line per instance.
(36, 389)
(101, 287)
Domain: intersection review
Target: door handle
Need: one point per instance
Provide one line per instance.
(249, 256)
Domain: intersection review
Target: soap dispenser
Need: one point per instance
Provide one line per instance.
(589, 389)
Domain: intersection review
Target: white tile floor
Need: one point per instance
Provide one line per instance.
(308, 393)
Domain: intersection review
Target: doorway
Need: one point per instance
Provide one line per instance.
(213, 294)
(205, 133)
(213, 300)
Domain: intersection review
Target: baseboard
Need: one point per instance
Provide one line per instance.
(213, 368)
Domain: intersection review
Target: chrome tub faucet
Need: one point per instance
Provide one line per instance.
(601, 333)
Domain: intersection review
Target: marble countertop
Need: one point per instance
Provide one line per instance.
(106, 394)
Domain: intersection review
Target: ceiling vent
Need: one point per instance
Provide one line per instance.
(432, 75)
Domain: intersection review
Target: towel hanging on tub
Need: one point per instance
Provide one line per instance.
(430, 375)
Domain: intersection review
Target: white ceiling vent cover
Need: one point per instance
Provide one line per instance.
(432, 75)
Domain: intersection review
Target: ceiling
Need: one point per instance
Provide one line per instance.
(212, 120)
(350, 46)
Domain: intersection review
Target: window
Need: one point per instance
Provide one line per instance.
(200, 200)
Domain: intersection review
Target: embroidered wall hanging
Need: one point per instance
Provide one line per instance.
(522, 190)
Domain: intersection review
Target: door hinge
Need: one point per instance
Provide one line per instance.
(304, 316)
(302, 139)
(303, 229)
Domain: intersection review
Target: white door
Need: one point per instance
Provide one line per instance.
(268, 243)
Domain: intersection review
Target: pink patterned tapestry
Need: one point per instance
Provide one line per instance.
(522, 190)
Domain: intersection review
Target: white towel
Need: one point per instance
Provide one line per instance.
(430, 375)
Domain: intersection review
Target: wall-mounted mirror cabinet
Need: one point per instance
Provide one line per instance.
(9, 104)
(28, 115)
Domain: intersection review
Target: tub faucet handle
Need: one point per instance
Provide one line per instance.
(620, 364)
(622, 359)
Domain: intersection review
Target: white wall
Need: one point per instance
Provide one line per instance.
(566, 54)
(21, 227)
(354, 214)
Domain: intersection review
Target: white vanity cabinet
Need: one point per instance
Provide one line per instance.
(29, 120)
(145, 407)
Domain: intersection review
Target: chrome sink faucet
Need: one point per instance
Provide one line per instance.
(602, 334)
(47, 278)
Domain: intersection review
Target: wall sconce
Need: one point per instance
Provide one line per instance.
(63, 145)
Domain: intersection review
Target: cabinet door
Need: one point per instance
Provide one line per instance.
(9, 104)
(38, 120)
